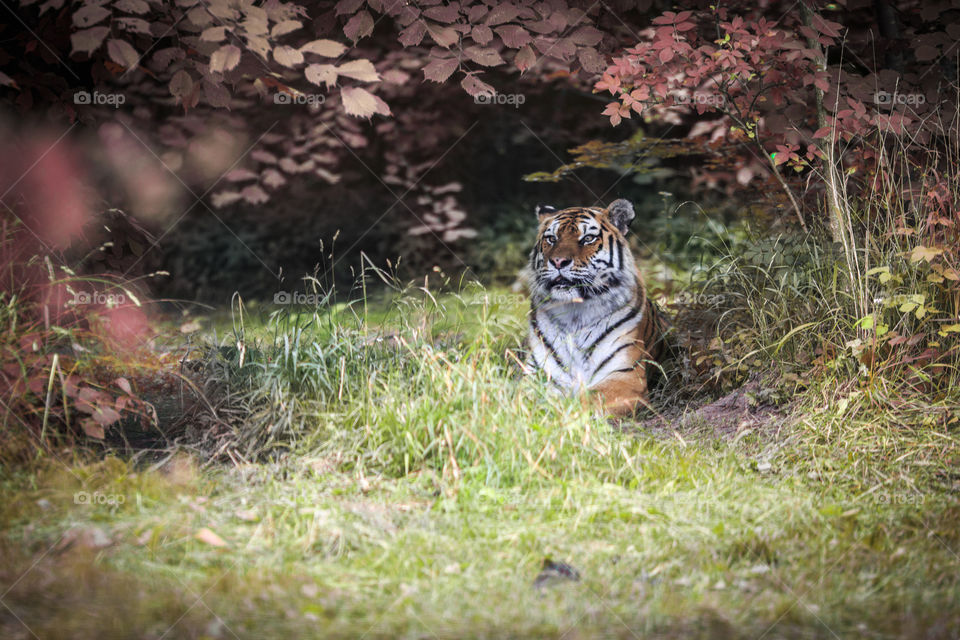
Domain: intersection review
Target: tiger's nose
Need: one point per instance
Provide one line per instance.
(560, 263)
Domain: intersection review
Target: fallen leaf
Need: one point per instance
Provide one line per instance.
(207, 536)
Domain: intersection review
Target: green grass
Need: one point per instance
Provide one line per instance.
(412, 486)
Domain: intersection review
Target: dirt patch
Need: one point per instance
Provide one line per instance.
(726, 417)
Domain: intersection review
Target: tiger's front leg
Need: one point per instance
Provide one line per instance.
(622, 393)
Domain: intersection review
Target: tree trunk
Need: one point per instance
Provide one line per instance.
(835, 210)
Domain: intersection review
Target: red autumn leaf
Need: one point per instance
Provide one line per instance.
(826, 27)
(474, 86)
(359, 26)
(441, 69)
(92, 429)
(413, 34)
(486, 57)
(822, 132)
(525, 58)
(513, 36)
(105, 416)
(481, 34)
(448, 13)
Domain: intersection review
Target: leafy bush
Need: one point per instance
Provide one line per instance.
(67, 344)
(882, 311)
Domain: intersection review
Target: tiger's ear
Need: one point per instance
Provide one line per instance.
(621, 214)
(544, 210)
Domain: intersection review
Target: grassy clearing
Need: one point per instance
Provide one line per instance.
(412, 485)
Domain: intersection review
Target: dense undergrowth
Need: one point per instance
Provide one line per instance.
(377, 467)
(413, 484)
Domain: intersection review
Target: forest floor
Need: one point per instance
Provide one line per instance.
(509, 521)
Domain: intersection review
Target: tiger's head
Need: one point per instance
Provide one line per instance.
(581, 254)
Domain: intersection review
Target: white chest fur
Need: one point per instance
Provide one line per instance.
(578, 345)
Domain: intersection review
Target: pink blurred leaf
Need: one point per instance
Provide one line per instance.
(225, 198)
(254, 194)
(240, 175)
(273, 178)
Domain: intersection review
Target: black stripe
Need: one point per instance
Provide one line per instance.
(610, 251)
(550, 349)
(609, 358)
(633, 312)
(619, 254)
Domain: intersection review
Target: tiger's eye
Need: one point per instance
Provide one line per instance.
(551, 240)
(588, 239)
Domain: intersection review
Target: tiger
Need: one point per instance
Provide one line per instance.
(591, 324)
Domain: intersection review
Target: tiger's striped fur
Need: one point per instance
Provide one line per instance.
(592, 326)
